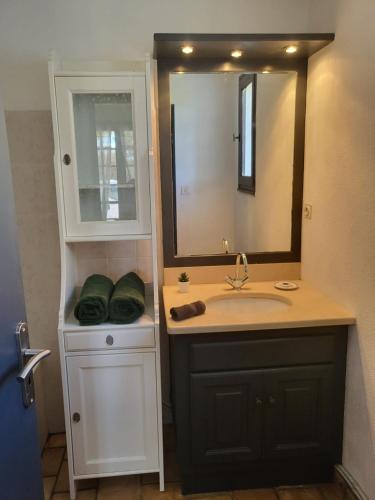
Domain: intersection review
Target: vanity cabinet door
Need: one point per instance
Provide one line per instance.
(299, 411)
(112, 400)
(226, 413)
(104, 155)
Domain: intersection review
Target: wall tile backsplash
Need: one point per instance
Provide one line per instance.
(114, 259)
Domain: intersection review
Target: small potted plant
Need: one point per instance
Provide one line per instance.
(183, 282)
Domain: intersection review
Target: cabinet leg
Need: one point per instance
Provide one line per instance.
(161, 479)
(72, 488)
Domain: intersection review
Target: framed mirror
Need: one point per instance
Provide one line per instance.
(232, 148)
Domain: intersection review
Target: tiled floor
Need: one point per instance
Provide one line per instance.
(56, 485)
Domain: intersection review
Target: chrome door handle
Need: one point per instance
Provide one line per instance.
(36, 356)
(27, 361)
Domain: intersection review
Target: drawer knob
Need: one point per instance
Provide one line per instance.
(109, 340)
(66, 159)
(271, 400)
(258, 402)
(76, 417)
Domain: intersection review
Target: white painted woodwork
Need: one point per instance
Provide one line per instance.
(128, 338)
(116, 389)
(115, 396)
(65, 88)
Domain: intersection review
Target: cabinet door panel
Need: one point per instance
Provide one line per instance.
(226, 419)
(104, 155)
(299, 411)
(115, 396)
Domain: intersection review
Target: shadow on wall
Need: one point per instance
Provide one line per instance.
(357, 410)
(31, 153)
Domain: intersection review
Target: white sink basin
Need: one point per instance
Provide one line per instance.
(247, 303)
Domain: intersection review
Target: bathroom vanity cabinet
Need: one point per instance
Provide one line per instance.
(260, 408)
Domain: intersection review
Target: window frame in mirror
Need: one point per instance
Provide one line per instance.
(246, 183)
(166, 66)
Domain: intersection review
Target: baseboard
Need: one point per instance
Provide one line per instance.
(352, 489)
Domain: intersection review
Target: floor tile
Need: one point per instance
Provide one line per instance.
(51, 461)
(81, 495)
(87, 495)
(56, 441)
(171, 468)
(48, 484)
(119, 488)
(152, 492)
(209, 496)
(299, 494)
(332, 491)
(62, 483)
(264, 494)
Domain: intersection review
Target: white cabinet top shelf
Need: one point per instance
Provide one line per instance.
(147, 319)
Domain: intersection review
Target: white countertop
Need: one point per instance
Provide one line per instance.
(302, 308)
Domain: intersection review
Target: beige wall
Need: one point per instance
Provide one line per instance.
(339, 241)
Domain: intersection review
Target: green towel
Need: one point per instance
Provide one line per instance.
(92, 306)
(128, 299)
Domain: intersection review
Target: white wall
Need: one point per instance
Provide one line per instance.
(205, 160)
(265, 219)
(92, 29)
(339, 242)
(119, 29)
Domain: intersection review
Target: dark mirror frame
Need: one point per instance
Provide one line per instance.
(167, 66)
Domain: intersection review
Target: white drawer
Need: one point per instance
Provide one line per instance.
(109, 339)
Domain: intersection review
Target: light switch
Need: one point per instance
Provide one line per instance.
(307, 211)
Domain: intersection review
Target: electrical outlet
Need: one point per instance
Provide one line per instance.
(307, 211)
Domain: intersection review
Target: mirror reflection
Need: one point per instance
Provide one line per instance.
(232, 158)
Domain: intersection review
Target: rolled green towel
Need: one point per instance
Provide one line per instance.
(92, 307)
(127, 303)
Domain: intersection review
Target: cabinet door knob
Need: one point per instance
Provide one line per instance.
(76, 417)
(271, 400)
(66, 159)
(109, 340)
(258, 401)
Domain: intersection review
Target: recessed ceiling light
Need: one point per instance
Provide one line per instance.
(291, 49)
(236, 53)
(187, 49)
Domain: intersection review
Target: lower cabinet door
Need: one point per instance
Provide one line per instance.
(299, 411)
(226, 413)
(113, 412)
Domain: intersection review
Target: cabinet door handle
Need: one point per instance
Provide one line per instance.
(259, 402)
(76, 417)
(66, 159)
(271, 400)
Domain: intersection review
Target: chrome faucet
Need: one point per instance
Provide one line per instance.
(238, 281)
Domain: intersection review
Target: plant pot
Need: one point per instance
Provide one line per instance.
(183, 286)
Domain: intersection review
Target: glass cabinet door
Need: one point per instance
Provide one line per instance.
(105, 138)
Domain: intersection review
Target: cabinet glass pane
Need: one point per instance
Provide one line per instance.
(106, 160)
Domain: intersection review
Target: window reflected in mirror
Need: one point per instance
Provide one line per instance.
(106, 164)
(247, 131)
(217, 155)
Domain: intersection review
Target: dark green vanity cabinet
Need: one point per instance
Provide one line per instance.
(257, 409)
